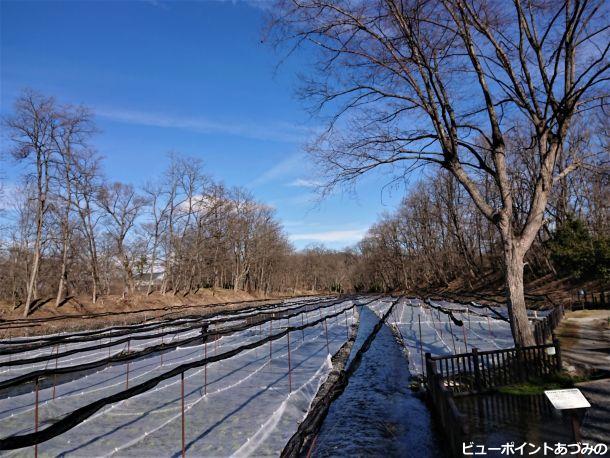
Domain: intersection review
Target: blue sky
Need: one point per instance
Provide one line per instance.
(191, 77)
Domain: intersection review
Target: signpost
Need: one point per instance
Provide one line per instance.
(567, 399)
(571, 400)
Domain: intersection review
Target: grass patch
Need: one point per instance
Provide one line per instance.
(538, 385)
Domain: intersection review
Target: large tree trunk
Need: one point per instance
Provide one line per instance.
(519, 322)
(32, 281)
(62, 279)
(63, 275)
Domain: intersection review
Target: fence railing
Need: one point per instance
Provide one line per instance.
(454, 424)
(543, 329)
(583, 300)
(479, 371)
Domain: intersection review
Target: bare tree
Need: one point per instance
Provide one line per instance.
(444, 83)
(32, 130)
(122, 206)
(74, 129)
(86, 187)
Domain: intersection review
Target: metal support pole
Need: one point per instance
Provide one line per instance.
(465, 338)
(36, 417)
(55, 375)
(182, 408)
(162, 343)
(289, 365)
(270, 350)
(326, 330)
(205, 369)
(421, 348)
(452, 337)
(346, 326)
(127, 373)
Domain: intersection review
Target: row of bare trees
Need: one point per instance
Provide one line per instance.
(437, 237)
(483, 89)
(73, 232)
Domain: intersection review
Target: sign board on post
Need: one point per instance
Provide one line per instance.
(567, 399)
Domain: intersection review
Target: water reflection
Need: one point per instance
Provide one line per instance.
(378, 415)
(496, 419)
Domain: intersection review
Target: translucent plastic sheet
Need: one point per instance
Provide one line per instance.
(482, 329)
(247, 404)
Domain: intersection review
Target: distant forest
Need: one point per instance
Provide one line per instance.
(74, 232)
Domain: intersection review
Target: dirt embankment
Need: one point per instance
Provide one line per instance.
(585, 342)
(79, 313)
(542, 292)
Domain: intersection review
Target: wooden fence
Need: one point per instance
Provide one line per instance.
(479, 371)
(543, 329)
(454, 424)
(585, 300)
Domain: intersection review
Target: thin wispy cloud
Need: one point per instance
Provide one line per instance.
(277, 131)
(346, 237)
(287, 166)
(304, 183)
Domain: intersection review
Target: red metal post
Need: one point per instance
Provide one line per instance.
(465, 338)
(326, 330)
(162, 343)
(421, 348)
(55, 375)
(205, 369)
(289, 365)
(127, 373)
(36, 417)
(182, 407)
(270, 350)
(452, 338)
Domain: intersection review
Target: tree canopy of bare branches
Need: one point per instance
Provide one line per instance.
(482, 89)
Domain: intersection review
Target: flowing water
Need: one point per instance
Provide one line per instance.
(378, 414)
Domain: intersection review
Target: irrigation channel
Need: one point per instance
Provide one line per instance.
(234, 383)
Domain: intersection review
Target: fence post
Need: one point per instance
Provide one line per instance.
(477, 372)
(521, 370)
(557, 353)
(429, 372)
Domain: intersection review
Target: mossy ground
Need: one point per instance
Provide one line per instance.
(540, 384)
